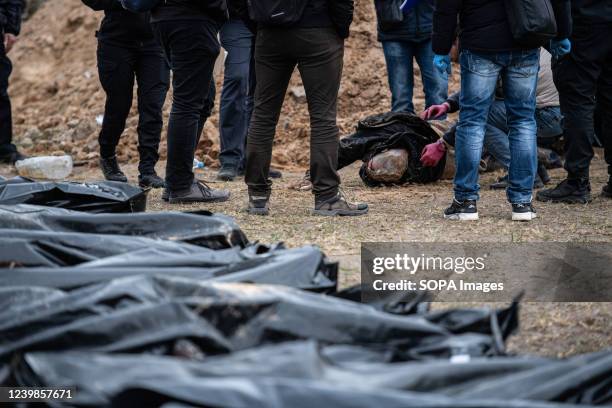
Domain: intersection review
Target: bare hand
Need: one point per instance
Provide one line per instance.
(9, 41)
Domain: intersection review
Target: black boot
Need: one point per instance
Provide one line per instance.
(227, 173)
(151, 180)
(12, 157)
(569, 191)
(110, 169)
(258, 204)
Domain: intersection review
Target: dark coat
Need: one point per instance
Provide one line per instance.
(10, 16)
(120, 25)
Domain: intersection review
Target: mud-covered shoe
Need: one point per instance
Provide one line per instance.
(275, 174)
(199, 192)
(227, 173)
(110, 169)
(523, 212)
(303, 184)
(569, 191)
(462, 211)
(12, 157)
(151, 180)
(258, 204)
(340, 206)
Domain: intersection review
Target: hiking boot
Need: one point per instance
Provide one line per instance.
(606, 191)
(462, 211)
(110, 169)
(258, 204)
(227, 173)
(303, 184)
(275, 174)
(569, 191)
(12, 157)
(339, 206)
(502, 183)
(523, 212)
(151, 180)
(199, 193)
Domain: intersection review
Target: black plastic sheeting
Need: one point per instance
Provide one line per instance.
(214, 231)
(92, 197)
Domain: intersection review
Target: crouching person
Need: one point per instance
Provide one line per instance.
(314, 41)
(128, 52)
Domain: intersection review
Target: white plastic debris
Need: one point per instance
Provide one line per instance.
(197, 164)
(45, 167)
(100, 120)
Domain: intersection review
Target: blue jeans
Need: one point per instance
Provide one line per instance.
(399, 56)
(549, 122)
(479, 74)
(237, 94)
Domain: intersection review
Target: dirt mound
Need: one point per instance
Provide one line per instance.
(57, 96)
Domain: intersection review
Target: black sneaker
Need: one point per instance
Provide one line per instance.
(110, 169)
(502, 183)
(462, 211)
(12, 157)
(569, 191)
(523, 212)
(606, 191)
(275, 174)
(340, 206)
(151, 180)
(199, 193)
(227, 173)
(258, 204)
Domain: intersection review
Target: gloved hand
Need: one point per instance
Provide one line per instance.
(433, 153)
(435, 111)
(442, 63)
(559, 48)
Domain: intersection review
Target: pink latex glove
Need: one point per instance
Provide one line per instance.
(433, 153)
(435, 111)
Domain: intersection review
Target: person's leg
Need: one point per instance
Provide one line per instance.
(273, 67)
(399, 56)
(479, 75)
(191, 47)
(549, 122)
(234, 114)
(320, 55)
(7, 147)
(116, 67)
(153, 77)
(520, 79)
(435, 84)
(496, 135)
(604, 99)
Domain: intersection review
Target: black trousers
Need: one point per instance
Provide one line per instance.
(6, 123)
(584, 78)
(191, 47)
(118, 67)
(318, 54)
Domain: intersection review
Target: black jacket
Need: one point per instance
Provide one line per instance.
(10, 16)
(191, 10)
(586, 12)
(484, 25)
(120, 25)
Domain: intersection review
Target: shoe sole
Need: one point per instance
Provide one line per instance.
(144, 185)
(225, 178)
(197, 200)
(462, 217)
(570, 200)
(528, 216)
(340, 213)
(258, 211)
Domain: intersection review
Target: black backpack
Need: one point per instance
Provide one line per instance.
(388, 13)
(276, 12)
(532, 22)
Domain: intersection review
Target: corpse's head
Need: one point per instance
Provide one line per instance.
(388, 166)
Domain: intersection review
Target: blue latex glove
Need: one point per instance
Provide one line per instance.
(442, 63)
(559, 48)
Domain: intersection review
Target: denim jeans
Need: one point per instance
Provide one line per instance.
(237, 94)
(549, 122)
(399, 56)
(479, 74)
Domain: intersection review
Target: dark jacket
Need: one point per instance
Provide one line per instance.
(10, 16)
(215, 10)
(483, 25)
(586, 12)
(119, 25)
(417, 23)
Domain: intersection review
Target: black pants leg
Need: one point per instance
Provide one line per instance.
(153, 78)
(116, 66)
(191, 47)
(6, 124)
(604, 100)
(577, 77)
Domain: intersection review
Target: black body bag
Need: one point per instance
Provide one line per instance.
(276, 12)
(532, 22)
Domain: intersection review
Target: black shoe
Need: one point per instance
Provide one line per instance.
(275, 174)
(227, 173)
(110, 169)
(165, 195)
(570, 191)
(502, 183)
(258, 204)
(151, 180)
(199, 193)
(340, 206)
(606, 191)
(462, 211)
(523, 212)
(12, 157)
(543, 174)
